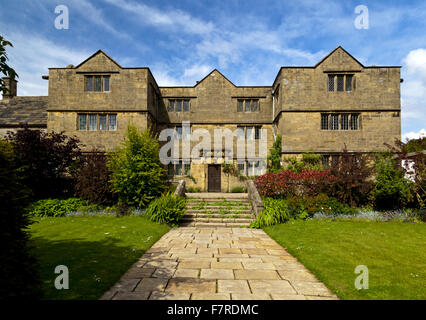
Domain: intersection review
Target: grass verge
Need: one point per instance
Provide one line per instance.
(96, 250)
(393, 252)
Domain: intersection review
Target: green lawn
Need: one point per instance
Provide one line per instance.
(394, 253)
(96, 250)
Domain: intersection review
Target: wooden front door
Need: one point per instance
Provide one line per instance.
(214, 178)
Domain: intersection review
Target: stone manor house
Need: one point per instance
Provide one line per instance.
(318, 109)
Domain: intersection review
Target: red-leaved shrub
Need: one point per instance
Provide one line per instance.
(289, 183)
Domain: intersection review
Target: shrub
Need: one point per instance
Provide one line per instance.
(274, 159)
(166, 209)
(308, 162)
(193, 189)
(275, 211)
(137, 175)
(353, 178)
(289, 183)
(55, 207)
(392, 189)
(19, 268)
(46, 161)
(92, 179)
(239, 189)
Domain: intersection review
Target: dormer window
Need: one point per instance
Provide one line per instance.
(97, 83)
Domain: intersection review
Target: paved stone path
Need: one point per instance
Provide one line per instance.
(193, 263)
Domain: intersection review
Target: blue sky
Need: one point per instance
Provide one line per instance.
(181, 41)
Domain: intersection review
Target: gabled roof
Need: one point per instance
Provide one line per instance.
(210, 74)
(95, 54)
(331, 53)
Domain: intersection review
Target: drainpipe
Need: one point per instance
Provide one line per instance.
(273, 114)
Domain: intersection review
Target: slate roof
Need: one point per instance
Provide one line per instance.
(24, 110)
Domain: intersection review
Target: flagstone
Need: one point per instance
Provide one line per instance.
(194, 263)
(189, 285)
(272, 286)
(217, 274)
(151, 284)
(233, 286)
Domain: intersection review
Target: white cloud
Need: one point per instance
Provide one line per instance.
(32, 55)
(413, 135)
(413, 89)
(96, 16)
(175, 20)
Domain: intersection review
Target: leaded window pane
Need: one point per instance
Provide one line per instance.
(248, 108)
(240, 105)
(186, 106)
(98, 83)
(241, 170)
(179, 169)
(331, 83)
(92, 121)
(257, 133)
(349, 82)
(89, 83)
(240, 133)
(179, 133)
(250, 133)
(354, 122)
(325, 161)
(82, 121)
(178, 105)
(106, 83)
(255, 105)
(345, 122)
(324, 121)
(112, 120)
(334, 122)
(340, 82)
(102, 122)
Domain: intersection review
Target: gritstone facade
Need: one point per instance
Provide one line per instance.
(321, 109)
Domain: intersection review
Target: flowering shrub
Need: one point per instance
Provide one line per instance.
(289, 183)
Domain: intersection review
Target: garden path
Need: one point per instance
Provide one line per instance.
(217, 263)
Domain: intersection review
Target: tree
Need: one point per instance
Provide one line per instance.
(4, 67)
(353, 175)
(46, 161)
(19, 268)
(92, 178)
(137, 175)
(392, 189)
(409, 158)
(274, 158)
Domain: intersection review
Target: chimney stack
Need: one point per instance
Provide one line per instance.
(11, 86)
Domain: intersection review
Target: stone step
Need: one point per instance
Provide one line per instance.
(212, 225)
(207, 215)
(208, 211)
(217, 220)
(214, 207)
(212, 195)
(234, 201)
